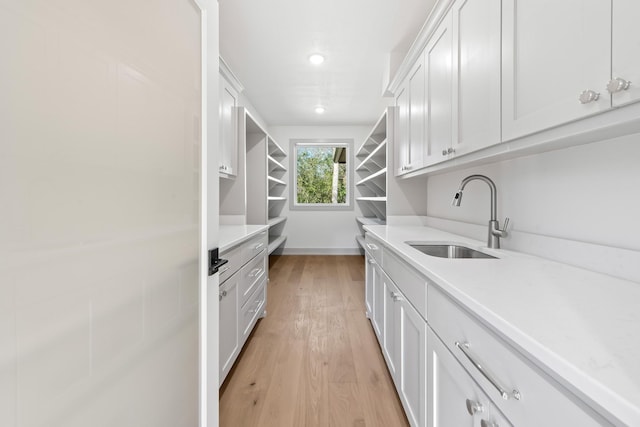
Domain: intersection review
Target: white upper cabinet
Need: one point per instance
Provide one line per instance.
(230, 89)
(438, 67)
(476, 74)
(411, 121)
(401, 143)
(626, 45)
(556, 61)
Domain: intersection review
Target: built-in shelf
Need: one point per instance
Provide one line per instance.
(275, 165)
(276, 220)
(376, 160)
(275, 149)
(360, 240)
(276, 242)
(370, 221)
(381, 174)
(372, 199)
(274, 181)
(276, 198)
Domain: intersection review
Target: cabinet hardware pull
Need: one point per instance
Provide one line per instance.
(255, 272)
(258, 246)
(371, 261)
(474, 407)
(618, 85)
(464, 347)
(372, 246)
(485, 423)
(444, 152)
(395, 296)
(588, 96)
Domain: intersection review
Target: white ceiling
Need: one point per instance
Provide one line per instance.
(266, 43)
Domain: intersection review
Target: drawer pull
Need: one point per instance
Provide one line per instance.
(255, 272)
(479, 366)
(371, 261)
(258, 246)
(474, 407)
(395, 296)
(372, 246)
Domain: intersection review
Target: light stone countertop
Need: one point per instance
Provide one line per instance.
(231, 235)
(582, 327)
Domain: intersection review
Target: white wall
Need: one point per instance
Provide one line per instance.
(586, 194)
(319, 231)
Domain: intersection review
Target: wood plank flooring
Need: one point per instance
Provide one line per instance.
(314, 360)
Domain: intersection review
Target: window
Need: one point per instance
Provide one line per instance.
(321, 174)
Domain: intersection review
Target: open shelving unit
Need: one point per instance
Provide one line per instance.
(371, 173)
(266, 187)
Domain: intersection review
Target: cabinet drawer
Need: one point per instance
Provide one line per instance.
(234, 256)
(373, 247)
(408, 281)
(253, 309)
(252, 274)
(541, 400)
(255, 245)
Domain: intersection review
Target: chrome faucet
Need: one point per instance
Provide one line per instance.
(495, 232)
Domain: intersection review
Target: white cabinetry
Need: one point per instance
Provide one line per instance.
(438, 61)
(454, 399)
(242, 296)
(411, 118)
(552, 53)
(476, 75)
(626, 45)
(401, 332)
(230, 89)
(516, 386)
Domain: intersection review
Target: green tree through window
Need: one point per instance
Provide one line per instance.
(321, 174)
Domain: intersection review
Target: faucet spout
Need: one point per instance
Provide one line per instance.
(494, 229)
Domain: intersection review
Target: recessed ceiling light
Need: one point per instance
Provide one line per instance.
(319, 109)
(316, 59)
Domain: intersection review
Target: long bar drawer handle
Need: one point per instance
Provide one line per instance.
(464, 347)
(372, 246)
(255, 272)
(258, 246)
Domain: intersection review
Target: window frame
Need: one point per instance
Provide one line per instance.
(293, 195)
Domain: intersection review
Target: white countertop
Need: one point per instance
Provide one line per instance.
(579, 325)
(231, 235)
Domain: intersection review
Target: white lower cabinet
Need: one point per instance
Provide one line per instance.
(229, 329)
(242, 295)
(454, 399)
(368, 289)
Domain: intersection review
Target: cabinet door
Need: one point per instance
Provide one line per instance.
(626, 45)
(476, 74)
(417, 115)
(552, 52)
(368, 284)
(453, 398)
(378, 303)
(413, 363)
(228, 129)
(391, 334)
(229, 297)
(438, 63)
(401, 140)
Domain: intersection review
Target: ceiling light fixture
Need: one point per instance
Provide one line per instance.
(319, 109)
(316, 59)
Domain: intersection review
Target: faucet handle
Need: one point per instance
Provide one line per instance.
(505, 225)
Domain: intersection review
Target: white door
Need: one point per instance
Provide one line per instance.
(401, 140)
(476, 74)
(413, 363)
(438, 63)
(101, 185)
(552, 53)
(229, 306)
(391, 334)
(626, 45)
(378, 303)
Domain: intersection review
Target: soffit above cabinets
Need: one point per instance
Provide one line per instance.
(267, 45)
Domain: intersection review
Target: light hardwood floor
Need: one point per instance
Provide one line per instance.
(314, 360)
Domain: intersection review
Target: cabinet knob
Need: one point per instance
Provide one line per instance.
(371, 261)
(474, 407)
(451, 150)
(618, 85)
(588, 96)
(485, 423)
(395, 296)
(444, 152)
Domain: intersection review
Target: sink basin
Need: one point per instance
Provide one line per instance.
(448, 250)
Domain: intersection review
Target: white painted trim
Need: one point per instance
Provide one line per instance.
(231, 78)
(320, 251)
(433, 20)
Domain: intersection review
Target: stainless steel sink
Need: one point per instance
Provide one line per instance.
(446, 250)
